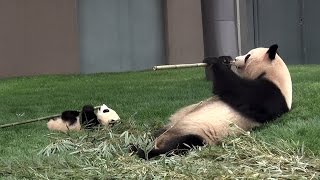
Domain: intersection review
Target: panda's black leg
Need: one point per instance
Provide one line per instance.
(159, 132)
(141, 153)
(176, 145)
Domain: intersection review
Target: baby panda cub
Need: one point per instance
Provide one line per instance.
(73, 120)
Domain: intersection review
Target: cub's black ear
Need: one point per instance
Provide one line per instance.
(272, 51)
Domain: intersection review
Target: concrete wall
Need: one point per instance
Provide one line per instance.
(288, 31)
(184, 35)
(296, 30)
(38, 37)
(120, 35)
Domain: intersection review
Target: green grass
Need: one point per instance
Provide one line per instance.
(144, 101)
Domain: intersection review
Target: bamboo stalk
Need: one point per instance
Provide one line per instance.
(33, 120)
(29, 121)
(176, 66)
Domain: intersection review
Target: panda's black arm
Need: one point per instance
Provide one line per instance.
(227, 84)
(259, 98)
(225, 81)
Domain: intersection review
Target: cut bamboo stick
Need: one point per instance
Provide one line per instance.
(33, 120)
(29, 121)
(176, 66)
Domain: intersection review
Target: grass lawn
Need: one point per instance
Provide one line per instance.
(144, 101)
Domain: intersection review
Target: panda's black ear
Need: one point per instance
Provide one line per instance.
(272, 51)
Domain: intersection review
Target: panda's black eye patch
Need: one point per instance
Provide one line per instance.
(106, 110)
(246, 58)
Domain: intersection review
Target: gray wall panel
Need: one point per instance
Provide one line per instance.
(120, 35)
(147, 33)
(290, 23)
(278, 21)
(311, 31)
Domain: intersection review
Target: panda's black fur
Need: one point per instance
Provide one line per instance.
(245, 95)
(70, 116)
(88, 117)
(75, 120)
(251, 101)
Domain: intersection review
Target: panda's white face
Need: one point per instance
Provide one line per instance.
(107, 116)
(252, 64)
(265, 62)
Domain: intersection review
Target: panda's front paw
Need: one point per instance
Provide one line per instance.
(226, 60)
(211, 60)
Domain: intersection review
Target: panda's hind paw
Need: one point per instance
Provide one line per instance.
(134, 149)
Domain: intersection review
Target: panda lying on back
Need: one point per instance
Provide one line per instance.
(256, 89)
(86, 119)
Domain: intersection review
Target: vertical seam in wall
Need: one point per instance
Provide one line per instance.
(133, 64)
(255, 22)
(165, 33)
(302, 31)
(77, 34)
(238, 27)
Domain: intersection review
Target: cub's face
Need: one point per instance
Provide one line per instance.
(107, 116)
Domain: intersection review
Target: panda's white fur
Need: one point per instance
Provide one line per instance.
(211, 119)
(58, 124)
(64, 124)
(256, 90)
(107, 116)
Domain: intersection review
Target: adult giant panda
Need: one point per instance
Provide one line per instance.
(256, 89)
(73, 120)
